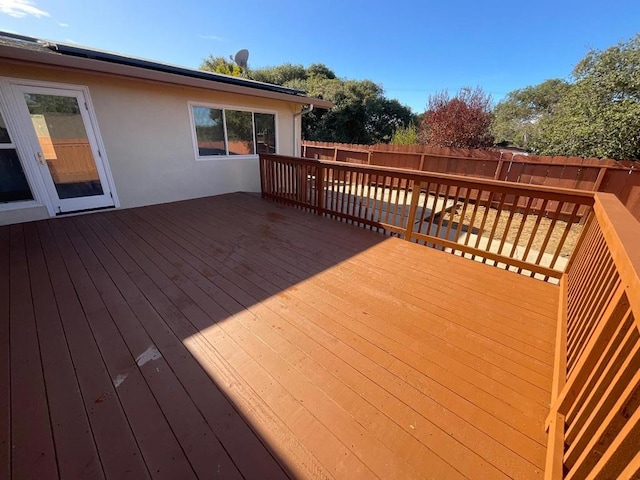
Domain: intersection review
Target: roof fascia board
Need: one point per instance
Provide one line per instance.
(91, 65)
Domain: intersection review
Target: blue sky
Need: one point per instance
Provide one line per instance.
(412, 49)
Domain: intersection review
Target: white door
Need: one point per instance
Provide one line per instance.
(62, 135)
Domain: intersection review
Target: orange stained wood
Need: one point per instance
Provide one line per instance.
(232, 337)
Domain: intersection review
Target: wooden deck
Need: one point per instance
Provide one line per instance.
(233, 337)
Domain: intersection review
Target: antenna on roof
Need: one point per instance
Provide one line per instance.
(241, 59)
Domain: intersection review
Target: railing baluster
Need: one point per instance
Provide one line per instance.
(571, 221)
(341, 189)
(547, 237)
(523, 222)
(351, 205)
(462, 216)
(443, 212)
(452, 214)
(487, 208)
(334, 192)
(507, 227)
(534, 232)
(423, 209)
(360, 195)
(375, 201)
(389, 193)
(495, 225)
(367, 199)
(472, 222)
(432, 213)
(320, 189)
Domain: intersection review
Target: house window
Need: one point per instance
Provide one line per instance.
(265, 132)
(13, 182)
(229, 132)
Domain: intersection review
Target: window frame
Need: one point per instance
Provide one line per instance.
(224, 107)
(14, 144)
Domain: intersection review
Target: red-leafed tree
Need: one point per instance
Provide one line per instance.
(463, 121)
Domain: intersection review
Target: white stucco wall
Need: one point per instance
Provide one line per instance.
(147, 134)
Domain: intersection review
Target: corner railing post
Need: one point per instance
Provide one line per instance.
(413, 207)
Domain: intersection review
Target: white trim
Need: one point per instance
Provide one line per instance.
(225, 106)
(253, 131)
(20, 204)
(25, 144)
(34, 178)
(98, 137)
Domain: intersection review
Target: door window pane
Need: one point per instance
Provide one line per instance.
(239, 132)
(209, 131)
(4, 134)
(13, 183)
(65, 144)
(265, 132)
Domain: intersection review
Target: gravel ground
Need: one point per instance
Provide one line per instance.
(529, 228)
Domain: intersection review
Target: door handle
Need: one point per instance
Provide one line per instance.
(41, 159)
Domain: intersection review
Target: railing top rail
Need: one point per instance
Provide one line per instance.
(621, 231)
(552, 193)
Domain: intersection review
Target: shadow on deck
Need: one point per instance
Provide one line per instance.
(234, 337)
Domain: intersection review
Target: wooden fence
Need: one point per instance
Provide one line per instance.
(491, 221)
(70, 160)
(621, 178)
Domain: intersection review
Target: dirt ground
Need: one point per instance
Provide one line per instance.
(529, 228)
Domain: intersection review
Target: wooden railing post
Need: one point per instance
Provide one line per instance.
(601, 174)
(556, 421)
(498, 173)
(413, 207)
(262, 176)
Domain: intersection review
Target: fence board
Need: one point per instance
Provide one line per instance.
(589, 174)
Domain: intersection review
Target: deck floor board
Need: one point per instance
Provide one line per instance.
(278, 343)
(33, 452)
(75, 446)
(5, 354)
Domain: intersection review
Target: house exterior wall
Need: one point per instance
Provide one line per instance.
(147, 134)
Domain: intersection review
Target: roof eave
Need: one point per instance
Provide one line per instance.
(98, 66)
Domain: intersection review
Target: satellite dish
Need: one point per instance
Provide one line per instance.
(241, 58)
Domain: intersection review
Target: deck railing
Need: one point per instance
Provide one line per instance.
(594, 419)
(529, 229)
(594, 424)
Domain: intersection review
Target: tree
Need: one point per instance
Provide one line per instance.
(600, 114)
(280, 75)
(405, 135)
(463, 121)
(518, 117)
(361, 112)
(221, 65)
